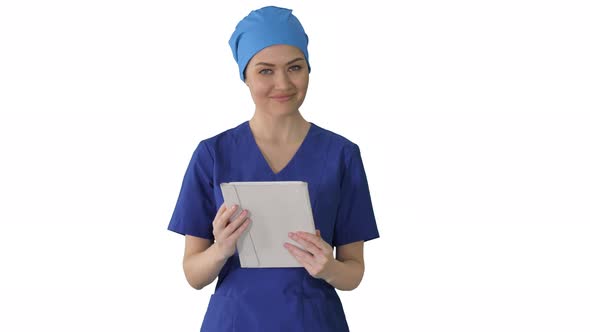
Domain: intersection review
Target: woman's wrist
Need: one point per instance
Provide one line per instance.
(345, 275)
(331, 273)
(217, 253)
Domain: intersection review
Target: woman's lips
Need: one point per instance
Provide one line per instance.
(282, 98)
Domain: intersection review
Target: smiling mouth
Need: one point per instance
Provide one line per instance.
(282, 98)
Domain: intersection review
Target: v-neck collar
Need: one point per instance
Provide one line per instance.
(293, 159)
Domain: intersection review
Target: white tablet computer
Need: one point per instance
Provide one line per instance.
(275, 208)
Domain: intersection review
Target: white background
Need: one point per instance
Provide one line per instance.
(472, 117)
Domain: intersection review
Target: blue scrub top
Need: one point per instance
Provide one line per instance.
(277, 299)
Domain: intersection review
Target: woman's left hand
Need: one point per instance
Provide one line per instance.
(318, 259)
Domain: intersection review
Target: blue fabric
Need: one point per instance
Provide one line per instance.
(265, 27)
(277, 299)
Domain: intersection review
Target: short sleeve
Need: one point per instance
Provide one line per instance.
(355, 219)
(195, 207)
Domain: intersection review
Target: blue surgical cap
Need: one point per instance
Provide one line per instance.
(265, 27)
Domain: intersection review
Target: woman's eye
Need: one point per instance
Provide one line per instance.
(295, 68)
(265, 72)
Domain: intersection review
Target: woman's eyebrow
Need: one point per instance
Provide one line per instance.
(272, 65)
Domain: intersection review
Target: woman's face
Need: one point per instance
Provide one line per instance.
(278, 77)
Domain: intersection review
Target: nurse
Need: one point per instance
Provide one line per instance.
(276, 144)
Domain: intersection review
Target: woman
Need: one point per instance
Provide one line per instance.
(276, 144)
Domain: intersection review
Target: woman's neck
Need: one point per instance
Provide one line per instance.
(279, 129)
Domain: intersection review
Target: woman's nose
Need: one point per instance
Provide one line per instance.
(282, 81)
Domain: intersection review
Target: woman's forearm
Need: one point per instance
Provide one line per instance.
(202, 268)
(345, 275)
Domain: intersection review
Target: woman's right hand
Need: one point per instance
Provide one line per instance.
(226, 233)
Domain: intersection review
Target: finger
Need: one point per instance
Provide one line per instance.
(235, 235)
(316, 240)
(302, 256)
(220, 211)
(308, 245)
(303, 263)
(236, 223)
(225, 217)
(317, 233)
